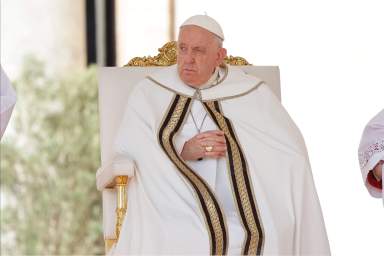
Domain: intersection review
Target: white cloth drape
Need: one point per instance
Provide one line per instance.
(7, 101)
(371, 149)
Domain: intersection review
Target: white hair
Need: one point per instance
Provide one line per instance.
(219, 41)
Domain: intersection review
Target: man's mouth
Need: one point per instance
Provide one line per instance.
(189, 70)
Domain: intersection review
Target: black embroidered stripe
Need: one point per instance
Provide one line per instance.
(240, 177)
(213, 215)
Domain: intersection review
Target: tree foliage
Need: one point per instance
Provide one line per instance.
(49, 157)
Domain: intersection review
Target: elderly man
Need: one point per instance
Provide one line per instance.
(221, 167)
(371, 155)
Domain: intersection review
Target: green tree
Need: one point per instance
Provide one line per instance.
(48, 164)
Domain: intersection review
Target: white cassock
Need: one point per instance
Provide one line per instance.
(259, 199)
(7, 101)
(371, 150)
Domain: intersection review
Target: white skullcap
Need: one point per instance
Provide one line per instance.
(206, 22)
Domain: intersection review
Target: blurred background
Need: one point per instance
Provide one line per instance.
(331, 58)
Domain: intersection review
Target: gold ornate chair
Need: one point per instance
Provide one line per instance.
(115, 84)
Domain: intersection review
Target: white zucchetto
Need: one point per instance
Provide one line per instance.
(206, 22)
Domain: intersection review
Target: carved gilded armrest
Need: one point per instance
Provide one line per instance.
(115, 177)
(120, 185)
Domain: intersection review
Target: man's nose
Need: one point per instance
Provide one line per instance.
(189, 58)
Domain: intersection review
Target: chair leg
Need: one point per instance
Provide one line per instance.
(121, 209)
(120, 184)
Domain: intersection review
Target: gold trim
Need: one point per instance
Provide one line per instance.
(166, 57)
(167, 88)
(168, 54)
(120, 184)
(183, 178)
(219, 228)
(237, 95)
(121, 208)
(109, 243)
(121, 180)
(241, 174)
(236, 61)
(223, 66)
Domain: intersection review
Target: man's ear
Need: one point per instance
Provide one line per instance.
(221, 55)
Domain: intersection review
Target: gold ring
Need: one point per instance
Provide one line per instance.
(208, 148)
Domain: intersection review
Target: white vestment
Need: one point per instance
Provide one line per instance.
(259, 199)
(7, 101)
(371, 150)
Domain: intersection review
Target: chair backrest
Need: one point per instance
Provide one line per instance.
(115, 85)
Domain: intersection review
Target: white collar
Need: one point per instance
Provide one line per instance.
(212, 80)
(234, 84)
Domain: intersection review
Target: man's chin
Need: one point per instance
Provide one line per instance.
(189, 81)
(188, 78)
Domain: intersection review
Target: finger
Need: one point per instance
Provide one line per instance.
(213, 137)
(219, 148)
(210, 134)
(214, 154)
(212, 141)
(219, 132)
(221, 152)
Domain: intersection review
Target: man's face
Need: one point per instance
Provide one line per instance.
(198, 53)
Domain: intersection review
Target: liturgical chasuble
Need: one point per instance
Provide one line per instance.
(258, 199)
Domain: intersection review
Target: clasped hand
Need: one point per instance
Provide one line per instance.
(210, 144)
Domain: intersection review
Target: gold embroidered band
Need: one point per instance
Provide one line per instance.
(213, 215)
(241, 183)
